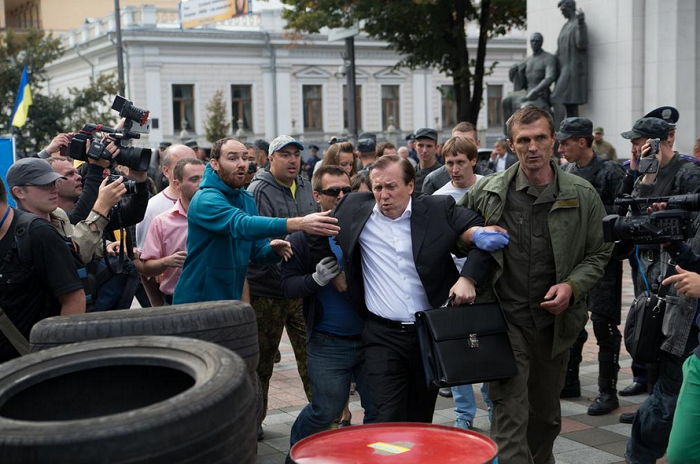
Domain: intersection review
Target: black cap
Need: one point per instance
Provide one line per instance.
(650, 128)
(336, 139)
(192, 144)
(427, 133)
(164, 144)
(31, 171)
(366, 145)
(411, 137)
(667, 113)
(573, 127)
(313, 147)
(368, 135)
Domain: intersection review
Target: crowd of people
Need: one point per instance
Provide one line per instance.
(342, 249)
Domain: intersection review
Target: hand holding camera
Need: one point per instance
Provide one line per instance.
(111, 191)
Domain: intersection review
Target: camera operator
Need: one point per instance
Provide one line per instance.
(675, 176)
(652, 424)
(57, 146)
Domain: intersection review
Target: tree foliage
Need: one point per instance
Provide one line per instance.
(50, 113)
(427, 33)
(216, 127)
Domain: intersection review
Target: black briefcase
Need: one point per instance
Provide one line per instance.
(643, 335)
(464, 344)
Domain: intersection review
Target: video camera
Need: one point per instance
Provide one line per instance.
(135, 158)
(675, 223)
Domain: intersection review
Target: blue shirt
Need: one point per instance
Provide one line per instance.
(339, 317)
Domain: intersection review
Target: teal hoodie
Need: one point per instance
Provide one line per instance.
(224, 233)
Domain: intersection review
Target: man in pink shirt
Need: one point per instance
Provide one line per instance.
(165, 247)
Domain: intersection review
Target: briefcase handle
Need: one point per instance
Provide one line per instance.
(449, 301)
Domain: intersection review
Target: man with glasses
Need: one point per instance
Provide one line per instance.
(333, 328)
(280, 191)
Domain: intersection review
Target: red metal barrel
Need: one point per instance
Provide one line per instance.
(404, 443)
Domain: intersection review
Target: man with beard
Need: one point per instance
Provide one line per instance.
(225, 232)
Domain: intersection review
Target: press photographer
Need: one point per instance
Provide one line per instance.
(660, 322)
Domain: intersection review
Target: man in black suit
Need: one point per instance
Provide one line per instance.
(501, 159)
(396, 251)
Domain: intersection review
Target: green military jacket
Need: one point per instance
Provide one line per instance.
(580, 254)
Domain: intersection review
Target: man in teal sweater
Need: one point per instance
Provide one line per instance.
(225, 232)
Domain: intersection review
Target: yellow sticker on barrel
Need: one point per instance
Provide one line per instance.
(389, 448)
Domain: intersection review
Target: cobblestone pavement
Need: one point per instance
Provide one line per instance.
(584, 439)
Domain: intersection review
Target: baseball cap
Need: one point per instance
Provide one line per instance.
(368, 135)
(667, 113)
(572, 127)
(366, 145)
(651, 128)
(31, 171)
(281, 142)
(426, 133)
(410, 137)
(598, 130)
(313, 147)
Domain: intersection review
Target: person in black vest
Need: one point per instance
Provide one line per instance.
(575, 138)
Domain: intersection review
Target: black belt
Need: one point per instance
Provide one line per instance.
(402, 326)
(340, 337)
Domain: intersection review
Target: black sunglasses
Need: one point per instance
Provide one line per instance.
(335, 191)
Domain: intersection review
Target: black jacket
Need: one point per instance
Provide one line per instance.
(433, 235)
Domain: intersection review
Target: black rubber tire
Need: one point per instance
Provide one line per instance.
(231, 324)
(155, 400)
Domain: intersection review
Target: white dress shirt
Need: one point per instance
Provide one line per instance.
(393, 289)
(501, 162)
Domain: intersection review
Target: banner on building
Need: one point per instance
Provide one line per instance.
(7, 158)
(194, 13)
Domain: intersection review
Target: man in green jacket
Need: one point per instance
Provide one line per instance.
(555, 256)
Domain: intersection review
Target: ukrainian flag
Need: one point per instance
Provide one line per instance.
(23, 102)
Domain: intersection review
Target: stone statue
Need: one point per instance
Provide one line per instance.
(531, 80)
(571, 89)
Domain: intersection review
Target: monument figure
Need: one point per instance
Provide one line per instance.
(531, 80)
(571, 89)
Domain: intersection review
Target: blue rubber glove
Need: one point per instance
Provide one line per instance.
(488, 240)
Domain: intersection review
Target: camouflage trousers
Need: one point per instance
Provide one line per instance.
(273, 316)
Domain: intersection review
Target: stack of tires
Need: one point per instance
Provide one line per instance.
(158, 385)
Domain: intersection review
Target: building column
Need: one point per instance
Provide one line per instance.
(154, 101)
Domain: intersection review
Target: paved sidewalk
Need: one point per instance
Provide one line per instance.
(584, 439)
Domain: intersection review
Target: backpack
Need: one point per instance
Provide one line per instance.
(22, 227)
(116, 283)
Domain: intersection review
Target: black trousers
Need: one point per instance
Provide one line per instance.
(395, 373)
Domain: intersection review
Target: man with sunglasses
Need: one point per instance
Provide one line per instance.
(333, 328)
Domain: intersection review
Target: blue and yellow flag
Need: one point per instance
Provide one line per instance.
(23, 102)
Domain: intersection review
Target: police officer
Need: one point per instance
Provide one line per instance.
(575, 138)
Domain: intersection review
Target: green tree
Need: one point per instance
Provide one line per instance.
(427, 33)
(94, 102)
(216, 127)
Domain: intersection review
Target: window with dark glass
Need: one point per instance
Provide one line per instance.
(390, 105)
(313, 107)
(449, 106)
(241, 106)
(494, 97)
(183, 107)
(358, 106)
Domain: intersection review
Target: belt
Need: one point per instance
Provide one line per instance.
(402, 326)
(339, 337)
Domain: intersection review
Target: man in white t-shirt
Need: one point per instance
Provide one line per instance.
(460, 155)
(160, 203)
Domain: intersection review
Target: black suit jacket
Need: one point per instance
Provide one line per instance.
(511, 159)
(436, 224)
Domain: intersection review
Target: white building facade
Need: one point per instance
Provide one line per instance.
(642, 54)
(274, 81)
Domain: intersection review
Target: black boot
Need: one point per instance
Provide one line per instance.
(605, 403)
(572, 385)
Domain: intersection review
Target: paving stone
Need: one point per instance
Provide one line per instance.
(281, 444)
(617, 448)
(265, 449)
(278, 458)
(620, 429)
(595, 436)
(277, 431)
(571, 408)
(562, 445)
(588, 456)
(279, 418)
(597, 421)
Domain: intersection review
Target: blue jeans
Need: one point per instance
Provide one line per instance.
(466, 403)
(652, 424)
(331, 362)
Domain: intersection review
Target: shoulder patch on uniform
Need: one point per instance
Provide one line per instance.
(572, 203)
